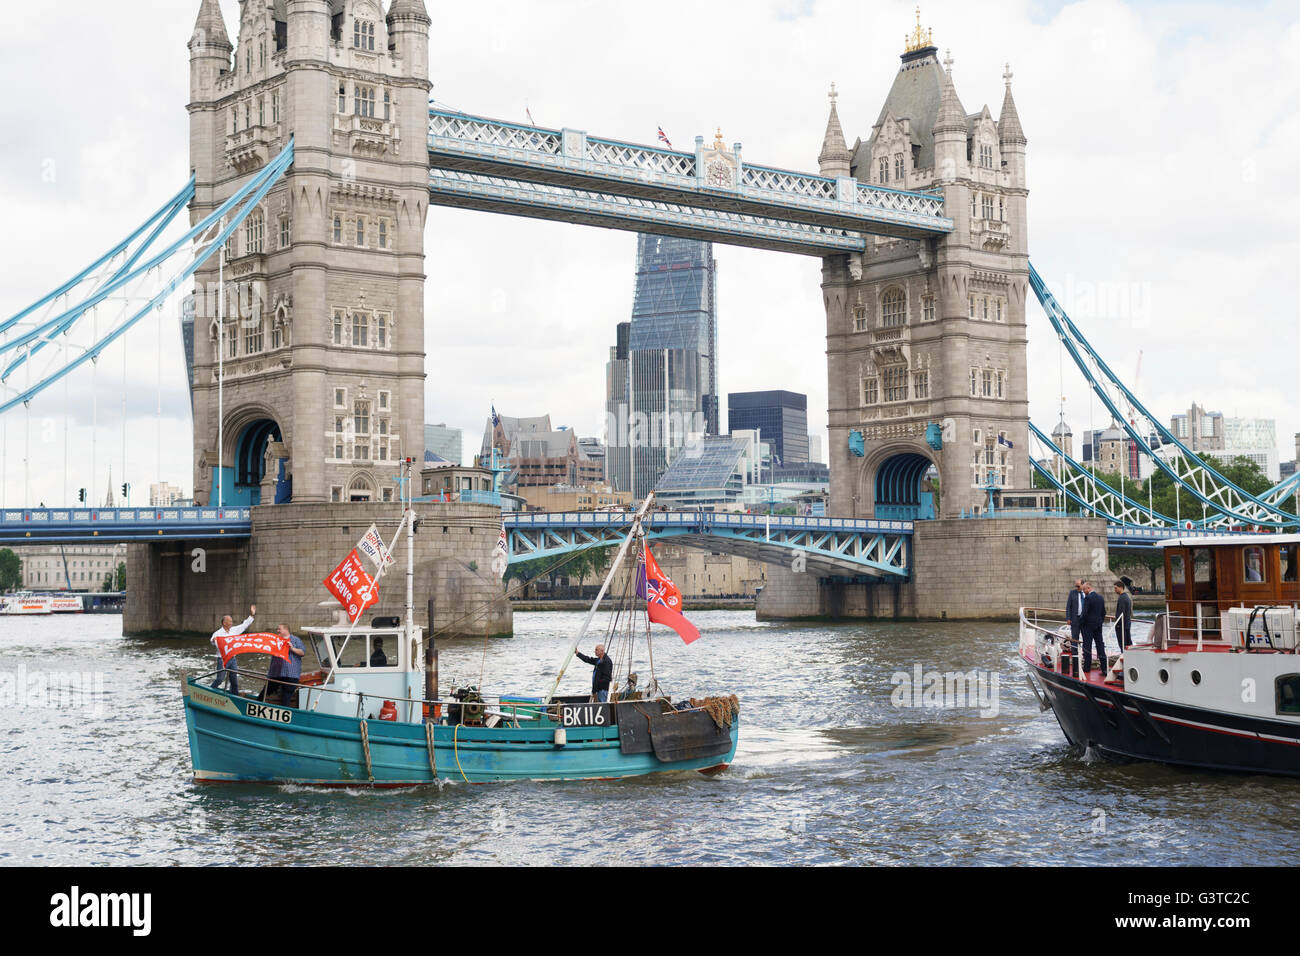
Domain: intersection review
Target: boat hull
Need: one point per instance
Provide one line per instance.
(1122, 725)
(237, 740)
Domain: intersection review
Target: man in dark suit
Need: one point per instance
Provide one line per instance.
(1074, 611)
(1123, 613)
(1094, 618)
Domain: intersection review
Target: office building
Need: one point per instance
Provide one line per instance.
(781, 419)
(662, 377)
(446, 443)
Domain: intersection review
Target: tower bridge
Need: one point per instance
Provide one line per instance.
(315, 158)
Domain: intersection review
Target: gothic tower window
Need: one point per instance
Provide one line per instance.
(987, 206)
(893, 311)
(898, 166)
(361, 429)
(388, 106)
(360, 329)
(884, 169)
(338, 229)
(859, 318)
(870, 391)
(986, 155)
(338, 340)
(275, 107)
(927, 308)
(261, 111)
(253, 234)
(381, 342)
(339, 436)
(921, 384)
(365, 101)
(894, 380)
(363, 35)
(361, 230)
(253, 338)
(286, 232)
(971, 314)
(383, 234)
(343, 98)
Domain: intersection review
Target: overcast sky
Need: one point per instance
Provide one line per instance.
(1162, 162)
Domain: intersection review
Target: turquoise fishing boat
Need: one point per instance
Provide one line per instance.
(371, 716)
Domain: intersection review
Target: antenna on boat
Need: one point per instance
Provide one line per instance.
(407, 467)
(613, 569)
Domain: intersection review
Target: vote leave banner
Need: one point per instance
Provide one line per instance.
(354, 588)
(237, 644)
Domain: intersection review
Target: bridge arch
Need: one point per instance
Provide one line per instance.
(893, 482)
(247, 432)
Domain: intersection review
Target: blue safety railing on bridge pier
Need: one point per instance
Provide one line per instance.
(36, 526)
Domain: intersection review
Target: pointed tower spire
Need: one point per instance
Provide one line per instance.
(1009, 130)
(952, 115)
(834, 158)
(210, 29)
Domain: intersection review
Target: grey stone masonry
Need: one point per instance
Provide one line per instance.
(322, 343)
(172, 590)
(931, 332)
(984, 568)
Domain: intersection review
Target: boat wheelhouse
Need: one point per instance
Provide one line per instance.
(1214, 682)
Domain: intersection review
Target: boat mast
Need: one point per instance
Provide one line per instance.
(613, 569)
(408, 466)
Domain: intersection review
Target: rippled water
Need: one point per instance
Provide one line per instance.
(828, 770)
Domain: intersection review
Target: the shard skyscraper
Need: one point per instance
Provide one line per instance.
(662, 379)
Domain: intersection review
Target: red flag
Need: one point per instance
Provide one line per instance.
(354, 588)
(236, 644)
(663, 598)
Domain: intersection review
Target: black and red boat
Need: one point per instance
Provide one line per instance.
(1213, 683)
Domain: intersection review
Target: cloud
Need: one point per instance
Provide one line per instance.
(1161, 158)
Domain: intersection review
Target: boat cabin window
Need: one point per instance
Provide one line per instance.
(1253, 565)
(321, 649)
(366, 650)
(1203, 581)
(1288, 694)
(1177, 577)
(1288, 563)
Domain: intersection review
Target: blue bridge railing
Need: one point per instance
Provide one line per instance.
(52, 525)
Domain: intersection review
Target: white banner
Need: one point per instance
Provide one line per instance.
(373, 547)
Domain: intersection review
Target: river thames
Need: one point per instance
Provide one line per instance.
(836, 765)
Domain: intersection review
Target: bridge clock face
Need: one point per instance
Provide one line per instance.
(719, 174)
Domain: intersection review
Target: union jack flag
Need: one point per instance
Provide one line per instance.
(663, 598)
(663, 138)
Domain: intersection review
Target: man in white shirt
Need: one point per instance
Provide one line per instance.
(230, 672)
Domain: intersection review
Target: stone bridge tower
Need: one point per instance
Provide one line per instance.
(323, 339)
(926, 339)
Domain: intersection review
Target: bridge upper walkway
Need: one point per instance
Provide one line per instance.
(566, 175)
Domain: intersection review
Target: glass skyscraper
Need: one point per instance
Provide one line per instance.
(662, 379)
(781, 418)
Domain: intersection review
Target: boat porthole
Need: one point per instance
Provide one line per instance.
(1133, 674)
(1196, 677)
(1164, 676)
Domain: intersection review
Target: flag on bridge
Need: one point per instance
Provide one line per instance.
(1003, 440)
(663, 138)
(663, 598)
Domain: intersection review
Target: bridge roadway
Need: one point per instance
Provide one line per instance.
(829, 546)
(710, 194)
